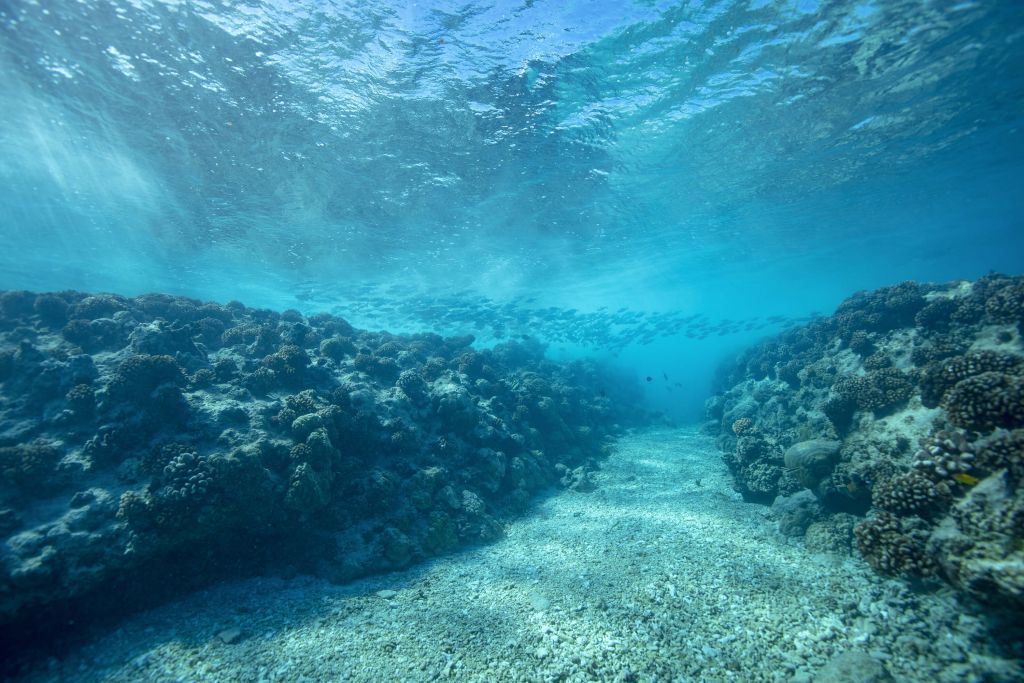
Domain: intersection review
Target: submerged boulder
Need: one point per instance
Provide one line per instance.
(796, 512)
(811, 461)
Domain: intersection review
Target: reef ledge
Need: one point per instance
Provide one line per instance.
(154, 443)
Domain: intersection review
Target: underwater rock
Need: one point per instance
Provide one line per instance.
(833, 534)
(812, 461)
(579, 479)
(795, 513)
(980, 546)
(230, 636)
(853, 667)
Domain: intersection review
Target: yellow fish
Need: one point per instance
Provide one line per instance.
(966, 479)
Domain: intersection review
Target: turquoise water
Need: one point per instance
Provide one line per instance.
(648, 189)
(729, 159)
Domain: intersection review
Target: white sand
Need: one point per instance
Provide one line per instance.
(654, 577)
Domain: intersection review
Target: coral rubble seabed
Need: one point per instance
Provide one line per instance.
(159, 441)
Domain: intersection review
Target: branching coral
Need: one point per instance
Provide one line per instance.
(944, 454)
(288, 364)
(942, 376)
(911, 494)
(986, 401)
(877, 391)
(138, 376)
(894, 545)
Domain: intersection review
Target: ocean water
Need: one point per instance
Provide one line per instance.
(731, 159)
(653, 185)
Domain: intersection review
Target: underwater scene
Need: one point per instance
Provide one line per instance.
(539, 341)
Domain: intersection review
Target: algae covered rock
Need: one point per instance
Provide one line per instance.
(813, 460)
(304, 425)
(980, 546)
(796, 513)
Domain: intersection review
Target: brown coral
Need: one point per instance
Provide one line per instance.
(1004, 450)
(1007, 304)
(877, 391)
(940, 377)
(986, 401)
(742, 426)
(894, 546)
(911, 494)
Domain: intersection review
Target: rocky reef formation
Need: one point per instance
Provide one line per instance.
(903, 414)
(158, 440)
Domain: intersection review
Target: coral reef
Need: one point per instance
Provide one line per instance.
(940, 377)
(920, 389)
(895, 545)
(986, 401)
(157, 439)
(978, 545)
(910, 493)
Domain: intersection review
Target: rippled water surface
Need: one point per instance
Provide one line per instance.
(731, 158)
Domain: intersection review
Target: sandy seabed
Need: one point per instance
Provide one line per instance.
(662, 574)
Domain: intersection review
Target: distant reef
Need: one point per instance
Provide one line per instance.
(156, 442)
(894, 427)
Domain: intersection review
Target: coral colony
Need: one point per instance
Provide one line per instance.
(903, 414)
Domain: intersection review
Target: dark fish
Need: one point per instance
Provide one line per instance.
(664, 374)
(649, 378)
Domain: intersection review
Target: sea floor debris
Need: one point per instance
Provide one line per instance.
(651, 577)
